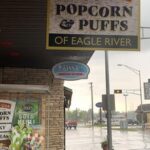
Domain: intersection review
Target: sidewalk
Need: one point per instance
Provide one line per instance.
(88, 139)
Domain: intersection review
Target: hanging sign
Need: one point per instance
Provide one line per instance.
(6, 116)
(99, 104)
(70, 70)
(93, 25)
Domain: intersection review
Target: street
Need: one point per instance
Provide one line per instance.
(90, 139)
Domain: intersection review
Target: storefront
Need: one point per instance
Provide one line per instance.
(26, 80)
(37, 104)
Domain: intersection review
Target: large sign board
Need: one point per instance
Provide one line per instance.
(147, 90)
(6, 116)
(93, 25)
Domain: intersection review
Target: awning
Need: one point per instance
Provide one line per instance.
(24, 88)
(23, 37)
(68, 95)
(41, 89)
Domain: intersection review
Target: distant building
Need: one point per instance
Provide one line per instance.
(146, 113)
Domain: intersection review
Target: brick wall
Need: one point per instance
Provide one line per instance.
(52, 104)
(25, 76)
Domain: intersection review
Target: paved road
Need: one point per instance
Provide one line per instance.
(88, 139)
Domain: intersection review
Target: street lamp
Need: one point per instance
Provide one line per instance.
(139, 74)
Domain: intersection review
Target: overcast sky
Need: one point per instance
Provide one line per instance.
(120, 77)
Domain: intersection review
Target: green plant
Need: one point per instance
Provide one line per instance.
(17, 136)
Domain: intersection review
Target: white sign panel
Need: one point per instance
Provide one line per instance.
(6, 116)
(6, 111)
(93, 24)
(5, 127)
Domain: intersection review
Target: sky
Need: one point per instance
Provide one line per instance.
(120, 77)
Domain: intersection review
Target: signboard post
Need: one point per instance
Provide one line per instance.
(99, 105)
(108, 105)
(100, 24)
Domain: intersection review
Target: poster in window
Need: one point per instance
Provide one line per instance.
(27, 112)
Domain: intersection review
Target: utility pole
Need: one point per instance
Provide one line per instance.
(92, 114)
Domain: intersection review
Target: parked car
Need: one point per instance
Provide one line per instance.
(132, 122)
(71, 124)
(98, 122)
